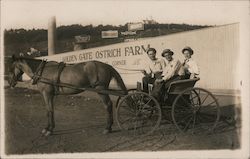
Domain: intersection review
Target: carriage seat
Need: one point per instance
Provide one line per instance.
(175, 87)
(178, 86)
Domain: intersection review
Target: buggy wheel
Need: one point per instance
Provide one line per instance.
(138, 114)
(195, 110)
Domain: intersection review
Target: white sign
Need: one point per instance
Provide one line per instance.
(110, 34)
(82, 38)
(135, 26)
(128, 33)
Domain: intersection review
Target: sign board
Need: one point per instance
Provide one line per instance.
(135, 26)
(110, 34)
(128, 33)
(82, 38)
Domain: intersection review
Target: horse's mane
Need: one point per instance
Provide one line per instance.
(33, 63)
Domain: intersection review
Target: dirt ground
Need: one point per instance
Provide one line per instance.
(80, 121)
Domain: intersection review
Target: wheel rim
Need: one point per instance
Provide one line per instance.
(195, 110)
(138, 114)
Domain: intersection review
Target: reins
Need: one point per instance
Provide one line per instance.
(126, 69)
(61, 84)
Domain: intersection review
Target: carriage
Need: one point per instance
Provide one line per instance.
(189, 108)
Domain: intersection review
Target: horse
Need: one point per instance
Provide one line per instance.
(52, 80)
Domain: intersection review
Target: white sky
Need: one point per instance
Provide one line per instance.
(35, 14)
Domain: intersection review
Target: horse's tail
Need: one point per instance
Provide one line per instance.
(119, 80)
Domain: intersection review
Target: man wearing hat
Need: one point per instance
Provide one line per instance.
(190, 66)
(153, 69)
(172, 72)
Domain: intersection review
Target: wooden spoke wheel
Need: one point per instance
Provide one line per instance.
(138, 113)
(195, 110)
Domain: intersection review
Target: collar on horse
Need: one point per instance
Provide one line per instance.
(38, 73)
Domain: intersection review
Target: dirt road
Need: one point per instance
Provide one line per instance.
(79, 124)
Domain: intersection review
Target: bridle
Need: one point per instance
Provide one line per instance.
(14, 78)
(37, 75)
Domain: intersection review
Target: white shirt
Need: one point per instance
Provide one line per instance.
(154, 66)
(190, 66)
(172, 68)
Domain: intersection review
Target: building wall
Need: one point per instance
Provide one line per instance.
(216, 49)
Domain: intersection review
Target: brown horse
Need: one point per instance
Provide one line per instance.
(51, 80)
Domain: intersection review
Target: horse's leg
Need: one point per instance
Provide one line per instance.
(109, 107)
(48, 98)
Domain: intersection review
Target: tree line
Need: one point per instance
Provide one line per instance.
(17, 40)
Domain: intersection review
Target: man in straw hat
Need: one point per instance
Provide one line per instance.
(190, 66)
(172, 72)
(153, 69)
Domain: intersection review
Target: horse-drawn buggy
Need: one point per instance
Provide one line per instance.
(187, 107)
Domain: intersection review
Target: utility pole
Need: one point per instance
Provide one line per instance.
(52, 36)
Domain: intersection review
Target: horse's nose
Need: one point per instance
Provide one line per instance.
(11, 83)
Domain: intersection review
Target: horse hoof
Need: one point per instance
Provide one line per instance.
(44, 131)
(48, 133)
(106, 131)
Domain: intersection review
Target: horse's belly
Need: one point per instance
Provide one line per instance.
(73, 84)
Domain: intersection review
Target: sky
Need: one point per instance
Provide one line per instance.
(30, 14)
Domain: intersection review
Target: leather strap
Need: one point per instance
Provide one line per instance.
(61, 66)
(39, 71)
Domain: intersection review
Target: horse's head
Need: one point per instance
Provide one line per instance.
(15, 71)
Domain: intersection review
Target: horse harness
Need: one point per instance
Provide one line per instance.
(61, 66)
(38, 74)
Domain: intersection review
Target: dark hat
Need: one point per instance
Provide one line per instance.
(151, 49)
(167, 51)
(189, 49)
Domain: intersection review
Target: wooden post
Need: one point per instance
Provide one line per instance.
(52, 36)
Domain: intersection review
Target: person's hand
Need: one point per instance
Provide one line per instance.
(192, 76)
